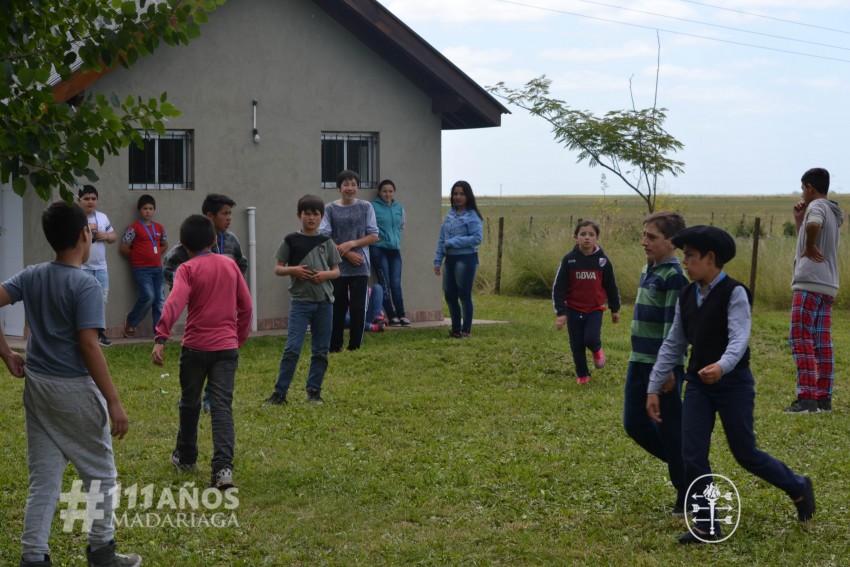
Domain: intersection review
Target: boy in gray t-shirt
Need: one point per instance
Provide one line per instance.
(69, 397)
(311, 260)
(351, 224)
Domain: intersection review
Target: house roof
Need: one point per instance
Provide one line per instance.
(460, 101)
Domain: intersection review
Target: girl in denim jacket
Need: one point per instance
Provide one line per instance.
(460, 235)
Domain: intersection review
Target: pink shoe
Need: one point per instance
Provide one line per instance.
(583, 379)
(599, 358)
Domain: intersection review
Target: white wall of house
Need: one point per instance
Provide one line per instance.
(308, 75)
(11, 255)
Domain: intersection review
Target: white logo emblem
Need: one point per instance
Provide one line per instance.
(722, 507)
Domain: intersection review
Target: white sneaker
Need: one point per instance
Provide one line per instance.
(223, 479)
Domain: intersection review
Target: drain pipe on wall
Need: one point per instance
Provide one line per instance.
(252, 261)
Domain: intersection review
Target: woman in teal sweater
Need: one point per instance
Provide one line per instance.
(386, 253)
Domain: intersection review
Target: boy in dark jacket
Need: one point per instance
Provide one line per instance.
(713, 316)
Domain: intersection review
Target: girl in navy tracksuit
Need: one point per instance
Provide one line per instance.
(583, 285)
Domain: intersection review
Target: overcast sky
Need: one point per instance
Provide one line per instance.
(752, 119)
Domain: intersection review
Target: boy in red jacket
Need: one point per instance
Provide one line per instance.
(218, 323)
(143, 244)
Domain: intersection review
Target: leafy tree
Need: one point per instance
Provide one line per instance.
(632, 144)
(49, 135)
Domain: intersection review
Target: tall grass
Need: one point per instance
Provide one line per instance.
(534, 242)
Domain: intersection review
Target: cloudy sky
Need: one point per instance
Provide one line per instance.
(756, 90)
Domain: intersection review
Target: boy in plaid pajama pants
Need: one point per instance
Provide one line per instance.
(815, 283)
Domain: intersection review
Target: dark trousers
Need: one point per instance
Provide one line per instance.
(733, 397)
(458, 280)
(349, 296)
(218, 368)
(661, 440)
(585, 331)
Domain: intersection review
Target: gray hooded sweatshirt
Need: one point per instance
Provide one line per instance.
(819, 277)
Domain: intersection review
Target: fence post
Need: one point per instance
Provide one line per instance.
(770, 233)
(487, 222)
(754, 266)
(530, 222)
(499, 255)
(712, 218)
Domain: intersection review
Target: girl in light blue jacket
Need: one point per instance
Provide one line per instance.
(460, 235)
(386, 253)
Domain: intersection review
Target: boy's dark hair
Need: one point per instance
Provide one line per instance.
(86, 189)
(145, 200)
(311, 203)
(387, 182)
(345, 175)
(818, 178)
(470, 198)
(214, 203)
(585, 222)
(668, 223)
(196, 233)
(62, 223)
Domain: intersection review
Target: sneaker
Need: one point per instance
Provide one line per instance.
(379, 320)
(689, 537)
(395, 322)
(223, 479)
(466, 334)
(599, 358)
(803, 406)
(376, 328)
(181, 466)
(455, 335)
(206, 406)
(404, 322)
(103, 340)
(825, 404)
(129, 332)
(106, 557)
(314, 398)
(276, 399)
(678, 510)
(583, 379)
(46, 562)
(806, 506)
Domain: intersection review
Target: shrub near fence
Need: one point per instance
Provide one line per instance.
(534, 245)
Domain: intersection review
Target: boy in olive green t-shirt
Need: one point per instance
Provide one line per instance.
(311, 260)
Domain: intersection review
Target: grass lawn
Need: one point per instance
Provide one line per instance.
(430, 451)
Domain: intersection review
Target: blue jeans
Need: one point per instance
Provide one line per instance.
(102, 277)
(387, 264)
(458, 277)
(218, 368)
(733, 397)
(585, 331)
(661, 440)
(150, 284)
(320, 318)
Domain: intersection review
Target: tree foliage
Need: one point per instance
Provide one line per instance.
(49, 144)
(632, 144)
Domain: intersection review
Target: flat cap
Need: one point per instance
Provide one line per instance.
(707, 239)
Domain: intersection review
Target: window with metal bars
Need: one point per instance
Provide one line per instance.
(357, 151)
(164, 162)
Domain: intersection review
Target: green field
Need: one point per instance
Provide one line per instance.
(430, 451)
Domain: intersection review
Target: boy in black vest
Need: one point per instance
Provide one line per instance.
(713, 315)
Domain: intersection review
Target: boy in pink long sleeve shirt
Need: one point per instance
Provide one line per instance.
(217, 324)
